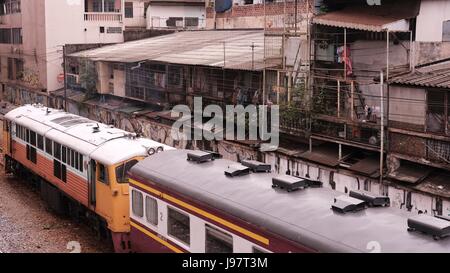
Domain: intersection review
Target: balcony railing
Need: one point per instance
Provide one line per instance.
(101, 16)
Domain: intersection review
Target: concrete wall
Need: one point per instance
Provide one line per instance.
(430, 19)
(138, 19)
(252, 16)
(32, 49)
(68, 27)
(342, 179)
(407, 105)
(158, 14)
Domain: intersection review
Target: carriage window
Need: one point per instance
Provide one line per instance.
(122, 170)
(33, 138)
(151, 210)
(218, 241)
(80, 162)
(137, 204)
(27, 139)
(178, 225)
(59, 170)
(57, 150)
(72, 160)
(40, 142)
(63, 154)
(48, 146)
(31, 154)
(102, 173)
(258, 250)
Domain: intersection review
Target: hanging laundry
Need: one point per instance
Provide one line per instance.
(343, 56)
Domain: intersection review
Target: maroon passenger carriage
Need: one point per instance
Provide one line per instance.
(186, 201)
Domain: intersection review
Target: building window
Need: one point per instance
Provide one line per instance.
(218, 241)
(109, 6)
(10, 69)
(17, 36)
(446, 31)
(48, 146)
(178, 226)
(5, 36)
(438, 114)
(137, 204)
(114, 30)
(19, 68)
(102, 172)
(122, 170)
(151, 210)
(97, 6)
(128, 9)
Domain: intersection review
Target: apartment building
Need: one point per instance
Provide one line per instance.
(33, 33)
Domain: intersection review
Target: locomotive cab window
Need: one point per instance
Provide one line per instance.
(102, 172)
(178, 226)
(258, 250)
(137, 203)
(218, 241)
(122, 170)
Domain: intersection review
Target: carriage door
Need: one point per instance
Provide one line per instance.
(92, 181)
(104, 195)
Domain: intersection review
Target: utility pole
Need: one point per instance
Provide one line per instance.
(382, 126)
(65, 78)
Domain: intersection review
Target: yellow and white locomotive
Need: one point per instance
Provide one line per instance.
(79, 165)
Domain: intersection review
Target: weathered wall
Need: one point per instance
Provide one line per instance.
(340, 180)
(407, 105)
(429, 21)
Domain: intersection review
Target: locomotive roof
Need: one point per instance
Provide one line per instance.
(303, 216)
(108, 145)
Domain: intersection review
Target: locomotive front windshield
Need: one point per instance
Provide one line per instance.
(122, 170)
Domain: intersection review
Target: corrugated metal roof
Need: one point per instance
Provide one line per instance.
(244, 49)
(437, 75)
(391, 16)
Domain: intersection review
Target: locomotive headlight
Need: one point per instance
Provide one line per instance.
(151, 151)
(160, 149)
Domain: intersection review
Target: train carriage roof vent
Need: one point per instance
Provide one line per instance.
(289, 183)
(199, 156)
(372, 199)
(438, 227)
(256, 166)
(237, 170)
(344, 204)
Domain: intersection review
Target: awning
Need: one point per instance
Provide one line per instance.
(325, 155)
(388, 16)
(369, 166)
(437, 183)
(410, 173)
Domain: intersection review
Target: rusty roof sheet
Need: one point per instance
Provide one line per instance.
(437, 75)
(388, 16)
(232, 49)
